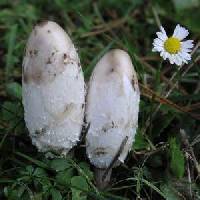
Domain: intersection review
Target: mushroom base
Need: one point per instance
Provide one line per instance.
(102, 180)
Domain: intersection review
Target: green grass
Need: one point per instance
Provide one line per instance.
(164, 162)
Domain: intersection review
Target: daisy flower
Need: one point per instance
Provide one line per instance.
(174, 48)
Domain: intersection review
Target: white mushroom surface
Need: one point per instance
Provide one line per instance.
(53, 89)
(112, 109)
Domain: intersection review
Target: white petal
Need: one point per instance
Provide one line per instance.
(180, 32)
(182, 57)
(186, 56)
(161, 36)
(176, 30)
(154, 50)
(157, 48)
(171, 59)
(158, 42)
(186, 50)
(163, 30)
(178, 60)
(162, 53)
(187, 44)
(165, 55)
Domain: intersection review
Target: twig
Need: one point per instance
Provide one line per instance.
(108, 27)
(189, 178)
(151, 94)
(190, 150)
(155, 14)
(121, 148)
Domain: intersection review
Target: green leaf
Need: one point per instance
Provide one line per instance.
(147, 183)
(140, 142)
(169, 192)
(64, 177)
(12, 193)
(41, 179)
(12, 114)
(14, 90)
(76, 195)
(11, 111)
(163, 123)
(39, 172)
(56, 195)
(60, 164)
(38, 196)
(11, 46)
(177, 162)
(79, 183)
(86, 169)
(185, 4)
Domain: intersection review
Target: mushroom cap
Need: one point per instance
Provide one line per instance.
(53, 89)
(112, 108)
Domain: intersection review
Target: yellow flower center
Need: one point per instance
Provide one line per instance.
(172, 45)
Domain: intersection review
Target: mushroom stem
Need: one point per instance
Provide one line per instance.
(102, 176)
(102, 179)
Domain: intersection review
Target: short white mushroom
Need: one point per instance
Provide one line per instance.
(111, 111)
(53, 89)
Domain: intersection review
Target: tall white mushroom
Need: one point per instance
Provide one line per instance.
(53, 89)
(111, 111)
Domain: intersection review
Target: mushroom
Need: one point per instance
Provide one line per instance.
(53, 89)
(112, 106)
